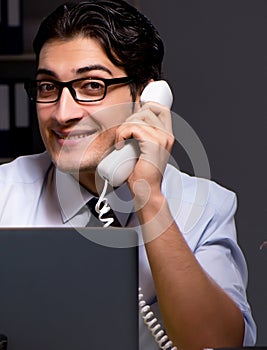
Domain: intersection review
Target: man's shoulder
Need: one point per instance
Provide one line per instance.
(27, 169)
(194, 189)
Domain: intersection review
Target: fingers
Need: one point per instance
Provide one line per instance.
(151, 121)
(154, 114)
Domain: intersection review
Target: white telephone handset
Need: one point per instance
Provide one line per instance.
(118, 165)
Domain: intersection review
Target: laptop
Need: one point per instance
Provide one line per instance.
(69, 289)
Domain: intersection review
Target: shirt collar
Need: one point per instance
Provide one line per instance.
(72, 197)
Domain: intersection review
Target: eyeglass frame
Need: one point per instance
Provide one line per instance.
(68, 84)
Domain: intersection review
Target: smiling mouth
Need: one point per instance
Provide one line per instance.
(74, 136)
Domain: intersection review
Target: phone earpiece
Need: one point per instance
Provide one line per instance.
(157, 91)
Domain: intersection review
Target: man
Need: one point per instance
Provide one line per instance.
(195, 277)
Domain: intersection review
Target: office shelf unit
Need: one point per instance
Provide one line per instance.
(19, 132)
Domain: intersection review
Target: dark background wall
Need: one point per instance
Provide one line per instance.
(215, 61)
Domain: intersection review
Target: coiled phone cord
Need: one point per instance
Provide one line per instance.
(152, 324)
(102, 207)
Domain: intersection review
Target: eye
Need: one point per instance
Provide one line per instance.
(92, 87)
(95, 85)
(46, 87)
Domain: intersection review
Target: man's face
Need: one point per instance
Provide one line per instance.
(77, 134)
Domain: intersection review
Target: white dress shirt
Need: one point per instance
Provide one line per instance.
(34, 193)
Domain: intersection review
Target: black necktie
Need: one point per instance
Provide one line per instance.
(110, 214)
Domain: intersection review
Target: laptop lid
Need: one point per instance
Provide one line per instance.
(66, 288)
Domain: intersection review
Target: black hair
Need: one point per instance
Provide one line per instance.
(127, 36)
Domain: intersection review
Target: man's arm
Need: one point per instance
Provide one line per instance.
(196, 311)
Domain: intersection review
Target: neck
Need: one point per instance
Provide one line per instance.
(91, 181)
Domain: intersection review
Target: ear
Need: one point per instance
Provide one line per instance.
(141, 90)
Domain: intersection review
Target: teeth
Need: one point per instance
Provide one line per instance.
(73, 137)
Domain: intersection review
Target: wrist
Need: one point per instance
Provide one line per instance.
(154, 217)
(146, 196)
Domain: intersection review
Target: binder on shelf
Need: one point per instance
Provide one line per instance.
(16, 134)
(1, 12)
(5, 146)
(11, 28)
(13, 13)
(22, 112)
(4, 110)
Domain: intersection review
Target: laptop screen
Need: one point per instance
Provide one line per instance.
(59, 289)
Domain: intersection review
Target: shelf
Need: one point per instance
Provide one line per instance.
(15, 58)
(17, 66)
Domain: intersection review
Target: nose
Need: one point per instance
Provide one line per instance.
(68, 110)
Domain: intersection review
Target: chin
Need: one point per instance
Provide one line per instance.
(73, 165)
(78, 159)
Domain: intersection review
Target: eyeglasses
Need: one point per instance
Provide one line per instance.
(82, 90)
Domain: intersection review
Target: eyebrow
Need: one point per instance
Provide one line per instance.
(78, 71)
(93, 67)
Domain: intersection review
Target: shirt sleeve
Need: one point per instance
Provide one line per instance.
(220, 255)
